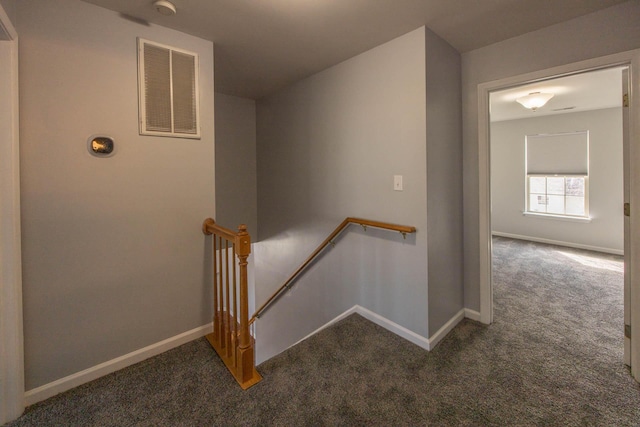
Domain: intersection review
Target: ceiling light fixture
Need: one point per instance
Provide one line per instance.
(534, 100)
(164, 7)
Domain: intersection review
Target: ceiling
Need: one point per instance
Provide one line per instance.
(580, 92)
(264, 45)
(5, 22)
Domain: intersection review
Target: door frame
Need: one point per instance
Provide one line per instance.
(630, 59)
(626, 165)
(11, 336)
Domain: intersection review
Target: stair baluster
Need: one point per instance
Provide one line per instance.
(231, 337)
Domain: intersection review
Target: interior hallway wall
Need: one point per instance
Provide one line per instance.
(328, 148)
(598, 34)
(236, 180)
(444, 181)
(114, 258)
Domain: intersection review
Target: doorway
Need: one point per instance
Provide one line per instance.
(629, 59)
(557, 179)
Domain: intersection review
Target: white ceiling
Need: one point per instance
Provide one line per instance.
(264, 45)
(581, 92)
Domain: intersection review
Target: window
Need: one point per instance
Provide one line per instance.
(168, 91)
(557, 181)
(557, 195)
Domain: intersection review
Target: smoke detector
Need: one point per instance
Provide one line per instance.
(164, 7)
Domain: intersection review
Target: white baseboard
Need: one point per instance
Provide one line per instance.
(378, 320)
(401, 331)
(472, 314)
(63, 384)
(67, 383)
(446, 328)
(559, 243)
(326, 325)
(419, 340)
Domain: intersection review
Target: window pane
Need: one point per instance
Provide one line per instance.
(556, 204)
(537, 203)
(555, 185)
(537, 184)
(575, 205)
(558, 195)
(575, 186)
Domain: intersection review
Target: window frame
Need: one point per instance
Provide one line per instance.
(142, 98)
(564, 215)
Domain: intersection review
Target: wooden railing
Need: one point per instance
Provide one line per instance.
(402, 229)
(231, 337)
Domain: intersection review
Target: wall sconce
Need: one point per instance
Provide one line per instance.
(534, 100)
(101, 146)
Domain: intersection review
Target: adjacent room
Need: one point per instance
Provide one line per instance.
(558, 179)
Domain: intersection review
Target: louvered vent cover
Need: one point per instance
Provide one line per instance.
(168, 91)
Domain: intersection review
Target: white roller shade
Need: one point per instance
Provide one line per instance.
(561, 154)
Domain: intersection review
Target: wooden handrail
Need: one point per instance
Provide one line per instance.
(209, 227)
(402, 229)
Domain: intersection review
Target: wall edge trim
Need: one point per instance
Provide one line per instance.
(401, 331)
(446, 328)
(336, 319)
(559, 243)
(472, 314)
(426, 343)
(46, 391)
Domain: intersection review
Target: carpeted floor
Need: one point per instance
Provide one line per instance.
(553, 357)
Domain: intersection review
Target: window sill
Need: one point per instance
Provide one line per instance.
(558, 217)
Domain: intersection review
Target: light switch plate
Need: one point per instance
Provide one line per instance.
(397, 182)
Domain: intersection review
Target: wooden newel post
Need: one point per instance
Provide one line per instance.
(246, 374)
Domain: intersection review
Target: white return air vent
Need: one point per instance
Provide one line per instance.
(168, 91)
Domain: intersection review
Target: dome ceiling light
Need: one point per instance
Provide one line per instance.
(534, 100)
(165, 7)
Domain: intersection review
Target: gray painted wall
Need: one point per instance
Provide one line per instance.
(328, 148)
(508, 181)
(236, 180)
(114, 257)
(598, 34)
(444, 181)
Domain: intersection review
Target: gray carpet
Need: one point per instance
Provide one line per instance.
(552, 357)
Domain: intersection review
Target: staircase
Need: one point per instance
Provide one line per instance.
(231, 337)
